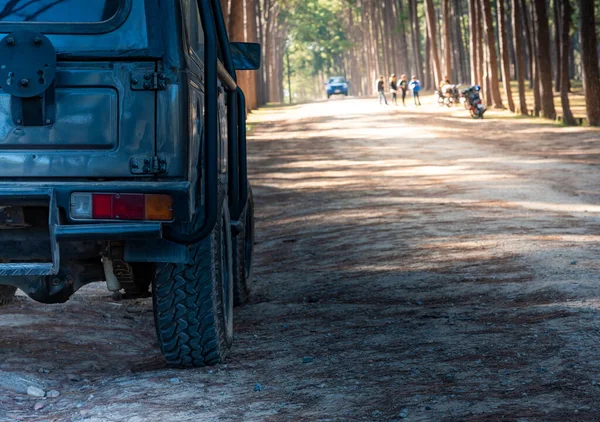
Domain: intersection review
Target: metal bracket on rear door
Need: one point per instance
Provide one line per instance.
(148, 81)
(142, 164)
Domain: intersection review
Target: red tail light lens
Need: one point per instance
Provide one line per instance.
(129, 206)
(102, 206)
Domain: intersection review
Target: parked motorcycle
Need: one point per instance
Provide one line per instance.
(472, 101)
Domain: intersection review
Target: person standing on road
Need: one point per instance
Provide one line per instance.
(403, 87)
(394, 88)
(415, 87)
(381, 90)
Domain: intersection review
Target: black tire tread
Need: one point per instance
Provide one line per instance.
(186, 307)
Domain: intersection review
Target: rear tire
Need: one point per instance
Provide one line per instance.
(193, 303)
(243, 250)
(7, 294)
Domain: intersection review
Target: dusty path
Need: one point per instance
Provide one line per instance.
(411, 265)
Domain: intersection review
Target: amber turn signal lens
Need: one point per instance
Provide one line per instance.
(159, 207)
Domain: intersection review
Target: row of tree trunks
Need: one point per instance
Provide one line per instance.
(477, 41)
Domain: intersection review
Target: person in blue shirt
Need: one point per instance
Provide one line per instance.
(415, 87)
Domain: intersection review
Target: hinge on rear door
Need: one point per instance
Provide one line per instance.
(151, 81)
(148, 165)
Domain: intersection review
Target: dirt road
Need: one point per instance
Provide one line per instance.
(410, 265)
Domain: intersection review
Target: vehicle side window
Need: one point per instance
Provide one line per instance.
(70, 11)
(195, 32)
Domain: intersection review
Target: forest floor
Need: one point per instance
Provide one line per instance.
(411, 264)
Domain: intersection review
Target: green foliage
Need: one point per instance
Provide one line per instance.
(316, 37)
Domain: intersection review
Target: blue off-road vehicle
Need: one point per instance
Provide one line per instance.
(123, 159)
(337, 85)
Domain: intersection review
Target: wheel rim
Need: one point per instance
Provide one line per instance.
(225, 276)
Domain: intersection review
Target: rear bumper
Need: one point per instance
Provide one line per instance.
(337, 92)
(57, 199)
(99, 232)
(183, 196)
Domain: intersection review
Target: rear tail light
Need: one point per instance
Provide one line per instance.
(121, 206)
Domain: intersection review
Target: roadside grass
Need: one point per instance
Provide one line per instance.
(576, 99)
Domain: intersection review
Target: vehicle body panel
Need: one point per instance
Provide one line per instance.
(95, 132)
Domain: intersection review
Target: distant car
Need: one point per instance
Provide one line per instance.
(337, 85)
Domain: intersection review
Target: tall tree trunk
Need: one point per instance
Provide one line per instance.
(565, 12)
(543, 52)
(416, 38)
(474, 40)
(405, 58)
(530, 26)
(267, 49)
(572, 60)
(236, 21)
(242, 27)
(480, 43)
(237, 32)
(510, 36)
(432, 32)
(487, 85)
(557, 43)
(589, 55)
(252, 36)
(393, 35)
(379, 65)
(504, 54)
(456, 55)
(261, 39)
(446, 38)
(527, 37)
(491, 53)
(380, 24)
(427, 78)
(460, 40)
(520, 65)
(523, 37)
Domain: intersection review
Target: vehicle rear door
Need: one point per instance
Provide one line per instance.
(104, 93)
